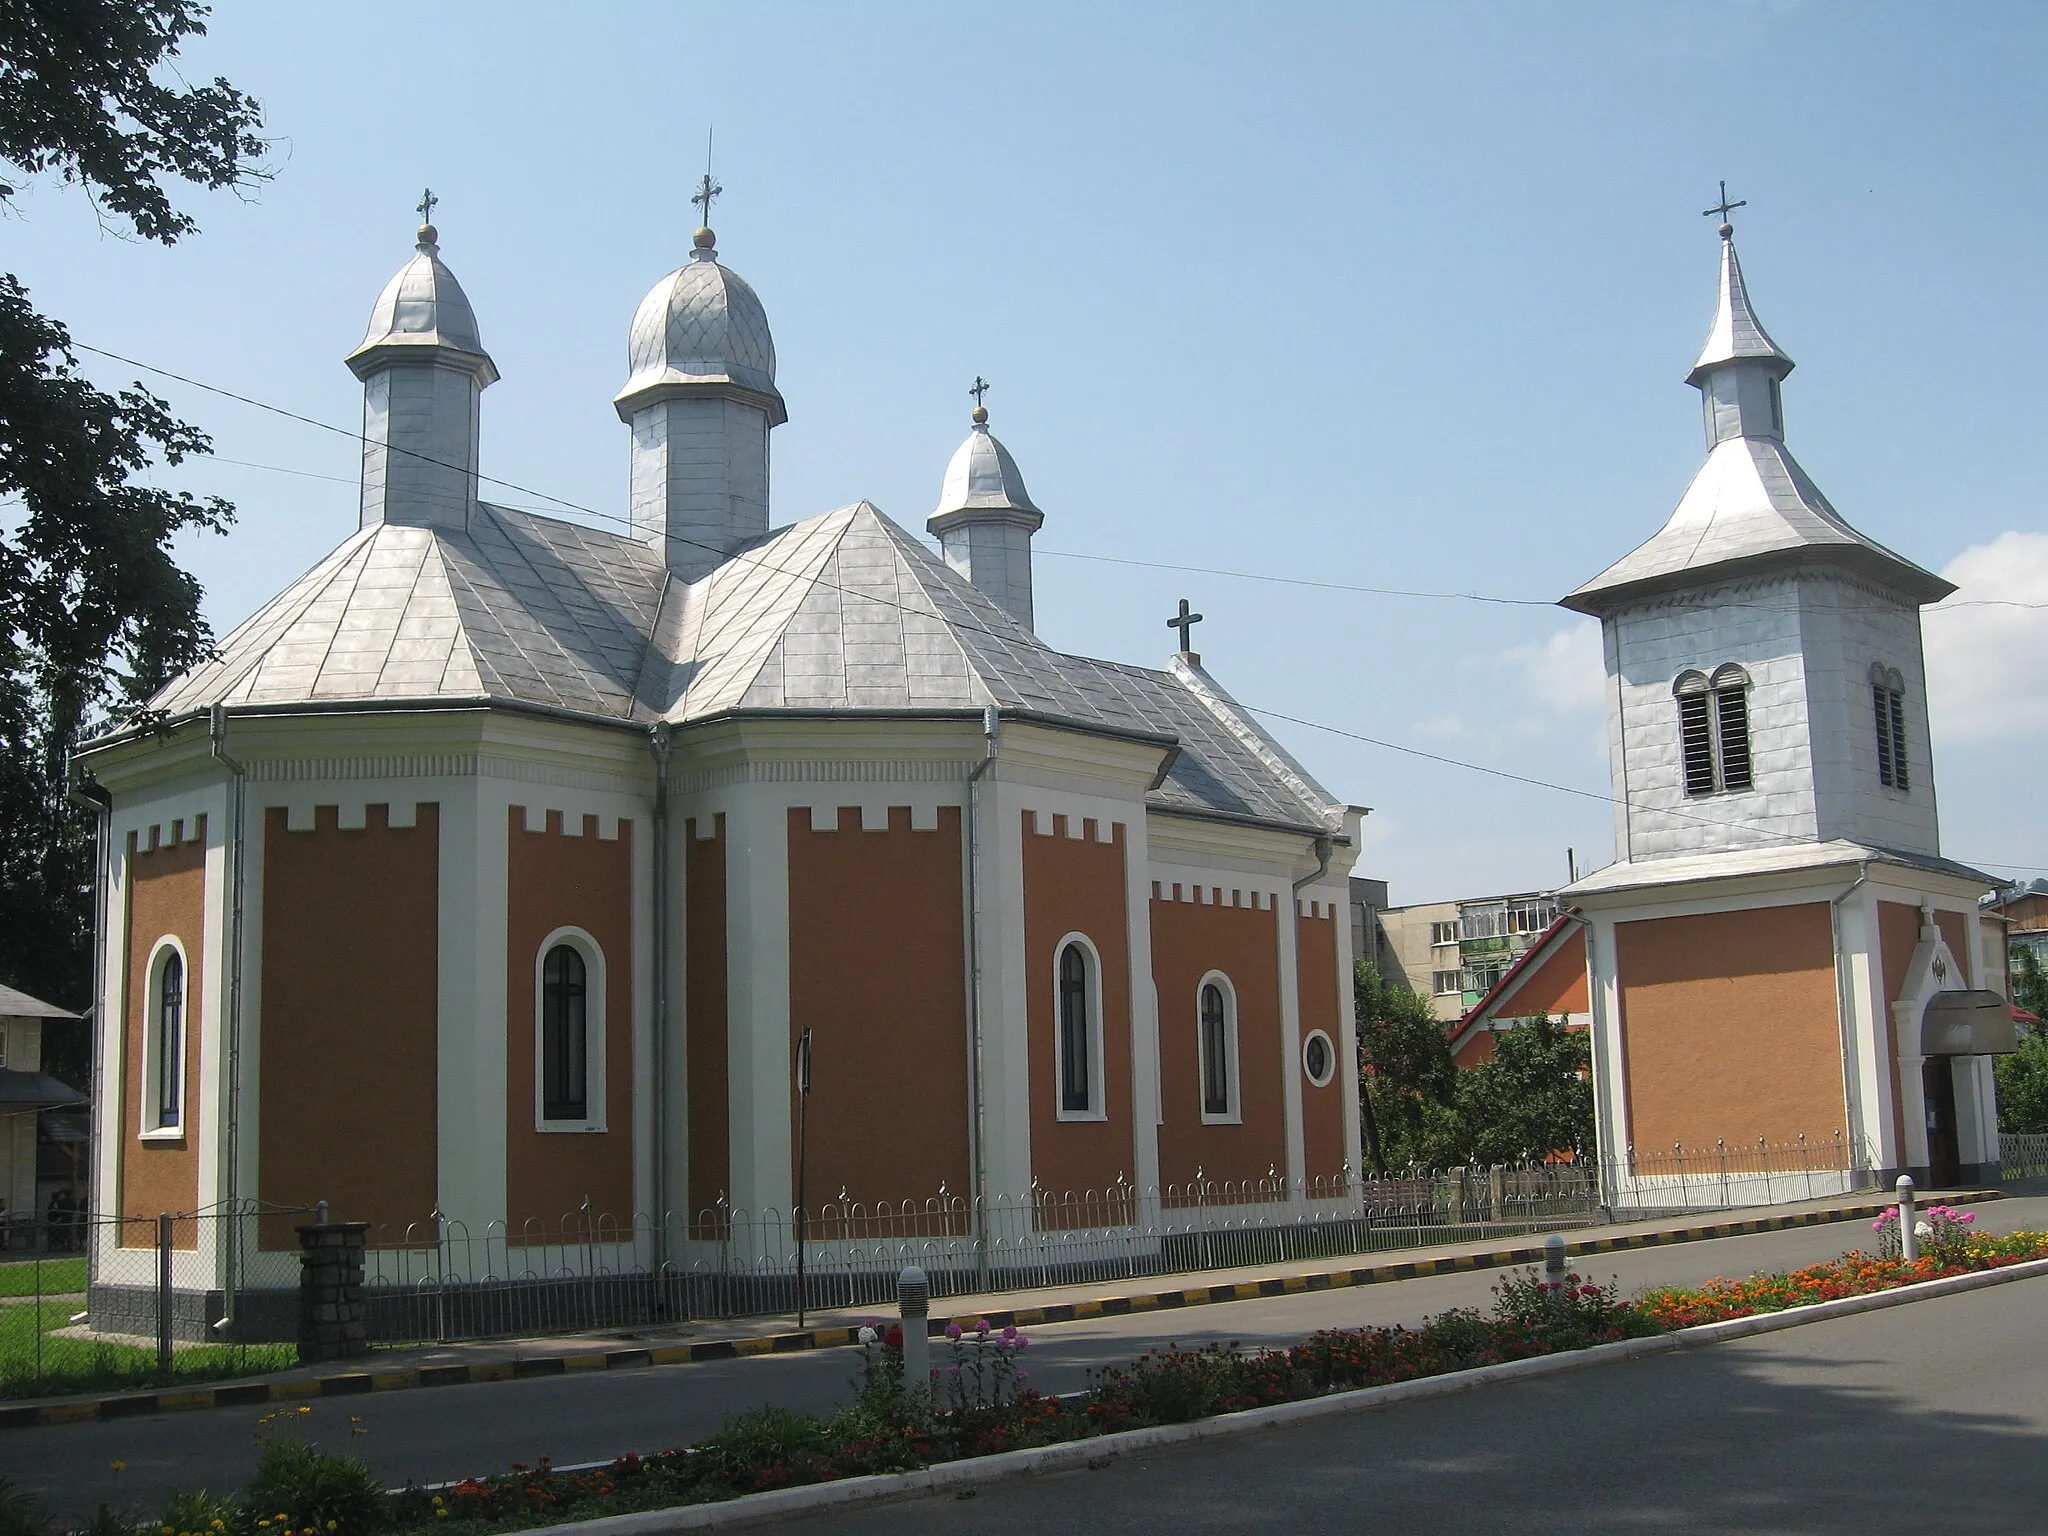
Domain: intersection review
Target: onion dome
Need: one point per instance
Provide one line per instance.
(423, 316)
(983, 477)
(701, 330)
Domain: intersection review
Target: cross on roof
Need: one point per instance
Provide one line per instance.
(1185, 622)
(425, 208)
(978, 388)
(1724, 207)
(707, 189)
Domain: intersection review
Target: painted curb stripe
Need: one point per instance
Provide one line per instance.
(239, 1395)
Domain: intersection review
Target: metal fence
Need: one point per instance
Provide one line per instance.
(444, 1279)
(2023, 1157)
(1725, 1176)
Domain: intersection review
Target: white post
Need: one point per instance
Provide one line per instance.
(1909, 1240)
(913, 1303)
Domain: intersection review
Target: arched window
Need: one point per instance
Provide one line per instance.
(170, 1039)
(1078, 1038)
(1216, 1020)
(565, 1035)
(1888, 705)
(1713, 730)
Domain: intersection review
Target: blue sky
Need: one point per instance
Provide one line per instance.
(1368, 296)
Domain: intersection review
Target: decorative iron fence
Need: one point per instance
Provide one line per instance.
(1725, 1176)
(444, 1279)
(2023, 1157)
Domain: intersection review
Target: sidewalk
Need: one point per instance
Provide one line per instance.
(459, 1363)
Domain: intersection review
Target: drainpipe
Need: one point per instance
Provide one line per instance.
(81, 789)
(658, 744)
(977, 1169)
(1321, 848)
(1845, 1004)
(217, 725)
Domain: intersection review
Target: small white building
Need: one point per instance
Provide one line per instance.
(1784, 967)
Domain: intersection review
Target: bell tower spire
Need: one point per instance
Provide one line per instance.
(1740, 369)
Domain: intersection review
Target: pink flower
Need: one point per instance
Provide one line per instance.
(952, 1330)
(982, 1326)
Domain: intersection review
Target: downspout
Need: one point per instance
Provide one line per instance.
(977, 1161)
(217, 726)
(658, 744)
(1321, 848)
(81, 789)
(1845, 1006)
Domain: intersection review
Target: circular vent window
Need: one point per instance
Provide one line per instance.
(1318, 1057)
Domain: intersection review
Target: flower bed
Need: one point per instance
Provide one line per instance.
(981, 1402)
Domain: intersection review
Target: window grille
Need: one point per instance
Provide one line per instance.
(170, 1039)
(1888, 706)
(1713, 730)
(1215, 1052)
(1077, 1044)
(565, 1042)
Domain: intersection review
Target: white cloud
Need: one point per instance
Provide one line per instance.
(1567, 673)
(1985, 677)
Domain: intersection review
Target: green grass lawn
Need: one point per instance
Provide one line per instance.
(59, 1276)
(82, 1365)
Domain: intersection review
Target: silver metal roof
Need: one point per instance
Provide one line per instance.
(1751, 506)
(845, 612)
(982, 476)
(701, 325)
(1735, 863)
(422, 307)
(1736, 332)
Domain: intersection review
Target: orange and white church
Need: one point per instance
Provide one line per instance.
(494, 870)
(1780, 972)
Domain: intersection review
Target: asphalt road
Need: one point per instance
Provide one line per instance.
(449, 1432)
(1930, 1417)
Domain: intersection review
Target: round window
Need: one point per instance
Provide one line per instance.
(1318, 1057)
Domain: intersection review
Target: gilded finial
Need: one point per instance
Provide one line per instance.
(425, 209)
(979, 388)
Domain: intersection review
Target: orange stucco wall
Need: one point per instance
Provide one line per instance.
(166, 898)
(350, 972)
(1730, 1028)
(1955, 931)
(705, 1021)
(1076, 885)
(555, 881)
(1189, 940)
(1323, 990)
(877, 972)
(1898, 935)
(1554, 988)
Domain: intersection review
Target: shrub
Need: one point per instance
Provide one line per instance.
(198, 1514)
(20, 1515)
(301, 1490)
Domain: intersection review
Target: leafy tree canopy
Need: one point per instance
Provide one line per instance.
(1533, 1098)
(95, 615)
(2023, 1085)
(1407, 1081)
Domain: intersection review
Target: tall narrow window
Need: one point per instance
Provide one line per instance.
(1215, 1050)
(1713, 730)
(1888, 705)
(1077, 1033)
(565, 1035)
(170, 1039)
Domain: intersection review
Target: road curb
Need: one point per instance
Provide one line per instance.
(1100, 1451)
(354, 1383)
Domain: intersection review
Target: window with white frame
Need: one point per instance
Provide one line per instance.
(1216, 1020)
(1888, 706)
(1713, 730)
(1444, 933)
(1444, 983)
(569, 1033)
(1318, 1058)
(164, 1026)
(1078, 1035)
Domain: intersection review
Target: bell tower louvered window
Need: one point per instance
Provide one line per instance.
(1888, 707)
(1713, 730)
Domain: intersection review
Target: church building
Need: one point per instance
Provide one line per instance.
(502, 871)
(1785, 972)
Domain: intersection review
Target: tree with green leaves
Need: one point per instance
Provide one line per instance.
(95, 615)
(1534, 1096)
(2029, 985)
(2023, 1084)
(1407, 1082)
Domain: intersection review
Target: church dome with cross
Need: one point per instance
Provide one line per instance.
(701, 325)
(421, 309)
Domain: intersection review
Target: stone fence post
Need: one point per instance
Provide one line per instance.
(331, 1320)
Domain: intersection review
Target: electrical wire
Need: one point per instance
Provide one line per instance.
(820, 580)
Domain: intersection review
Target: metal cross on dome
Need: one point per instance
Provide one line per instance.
(978, 388)
(427, 204)
(707, 189)
(1724, 207)
(1185, 622)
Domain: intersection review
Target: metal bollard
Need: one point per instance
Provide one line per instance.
(1909, 1239)
(913, 1304)
(1553, 1257)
